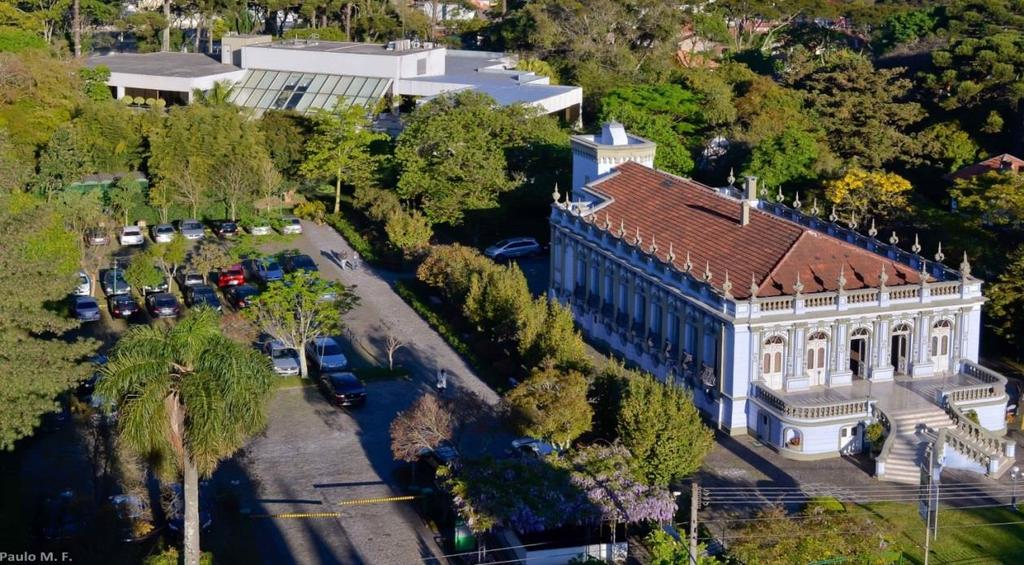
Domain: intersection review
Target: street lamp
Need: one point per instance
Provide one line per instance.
(1015, 475)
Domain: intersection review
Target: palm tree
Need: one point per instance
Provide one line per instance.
(218, 95)
(188, 397)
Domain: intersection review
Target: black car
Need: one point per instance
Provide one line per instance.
(343, 389)
(240, 296)
(122, 306)
(293, 263)
(85, 309)
(114, 283)
(163, 305)
(227, 230)
(202, 295)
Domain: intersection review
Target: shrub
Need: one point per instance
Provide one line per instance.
(375, 202)
(824, 504)
(551, 405)
(972, 416)
(354, 238)
(450, 269)
(408, 231)
(875, 432)
(311, 210)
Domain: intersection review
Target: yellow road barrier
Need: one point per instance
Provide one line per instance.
(356, 502)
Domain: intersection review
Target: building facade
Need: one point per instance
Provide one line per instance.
(784, 325)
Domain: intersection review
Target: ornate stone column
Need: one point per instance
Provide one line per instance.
(922, 364)
(881, 368)
(839, 373)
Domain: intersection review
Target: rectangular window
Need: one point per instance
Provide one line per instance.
(421, 66)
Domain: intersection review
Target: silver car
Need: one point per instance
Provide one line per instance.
(131, 235)
(191, 229)
(163, 233)
(285, 359)
(326, 353)
(514, 247)
(291, 225)
(84, 287)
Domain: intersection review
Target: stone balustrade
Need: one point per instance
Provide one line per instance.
(857, 407)
(890, 439)
(976, 435)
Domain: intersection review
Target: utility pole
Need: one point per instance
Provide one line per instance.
(694, 508)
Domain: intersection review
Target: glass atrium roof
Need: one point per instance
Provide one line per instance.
(305, 92)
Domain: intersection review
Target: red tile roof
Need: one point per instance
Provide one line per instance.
(697, 219)
(991, 164)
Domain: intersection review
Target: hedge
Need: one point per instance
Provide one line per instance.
(354, 238)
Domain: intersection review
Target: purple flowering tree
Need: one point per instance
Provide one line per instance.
(602, 473)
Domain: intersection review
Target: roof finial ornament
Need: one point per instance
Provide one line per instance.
(707, 271)
(796, 201)
(853, 221)
(637, 240)
(653, 249)
(607, 221)
(671, 256)
(622, 228)
(939, 255)
(798, 286)
(727, 286)
(965, 267)
(924, 270)
(688, 265)
(833, 216)
(556, 195)
(916, 248)
(872, 231)
(882, 277)
(780, 198)
(894, 240)
(753, 287)
(814, 207)
(731, 179)
(842, 278)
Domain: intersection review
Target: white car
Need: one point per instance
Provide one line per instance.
(131, 235)
(260, 229)
(84, 287)
(291, 225)
(163, 233)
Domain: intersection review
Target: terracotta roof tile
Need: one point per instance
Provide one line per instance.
(697, 219)
(991, 164)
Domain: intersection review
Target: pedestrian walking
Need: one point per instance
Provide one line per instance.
(355, 260)
(442, 381)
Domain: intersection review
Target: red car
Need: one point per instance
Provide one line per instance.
(231, 276)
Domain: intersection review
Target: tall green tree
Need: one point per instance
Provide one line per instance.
(339, 148)
(792, 155)
(38, 265)
(125, 196)
(996, 197)
(1005, 306)
(64, 161)
(300, 308)
(187, 398)
(551, 405)
(662, 428)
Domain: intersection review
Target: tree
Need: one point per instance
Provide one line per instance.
(141, 272)
(187, 397)
(81, 210)
(558, 340)
(497, 300)
(996, 196)
(64, 161)
(421, 428)
(667, 114)
(170, 256)
(946, 146)
(551, 405)
(665, 550)
(789, 156)
(340, 148)
(15, 172)
(38, 265)
(300, 308)
(208, 256)
(219, 95)
(875, 193)
(450, 269)
(662, 428)
(392, 343)
(408, 231)
(1005, 306)
(285, 134)
(125, 196)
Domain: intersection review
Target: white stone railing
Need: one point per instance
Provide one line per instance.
(890, 439)
(780, 304)
(978, 436)
(903, 292)
(858, 407)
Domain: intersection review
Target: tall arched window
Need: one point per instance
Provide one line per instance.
(772, 355)
(817, 344)
(899, 350)
(942, 331)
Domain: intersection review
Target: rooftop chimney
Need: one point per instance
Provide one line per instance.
(749, 198)
(613, 133)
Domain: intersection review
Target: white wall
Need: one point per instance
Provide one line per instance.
(169, 83)
(386, 65)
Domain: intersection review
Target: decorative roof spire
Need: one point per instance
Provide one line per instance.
(732, 178)
(853, 221)
(842, 278)
(814, 207)
(798, 286)
(872, 231)
(894, 240)
(753, 287)
(796, 201)
(607, 221)
(882, 277)
(653, 249)
(637, 240)
(687, 265)
(780, 198)
(727, 286)
(671, 256)
(965, 267)
(924, 270)
(939, 255)
(916, 248)
(556, 195)
(833, 216)
(707, 271)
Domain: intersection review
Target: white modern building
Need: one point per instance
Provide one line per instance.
(786, 326)
(308, 74)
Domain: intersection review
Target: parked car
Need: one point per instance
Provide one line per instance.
(163, 233)
(264, 269)
(260, 227)
(131, 235)
(284, 359)
(186, 280)
(231, 276)
(227, 230)
(343, 389)
(533, 447)
(122, 306)
(291, 225)
(241, 296)
(202, 295)
(84, 287)
(513, 247)
(85, 309)
(163, 305)
(97, 236)
(293, 263)
(191, 229)
(113, 282)
(325, 353)
(158, 287)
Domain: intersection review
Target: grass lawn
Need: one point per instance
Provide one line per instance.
(961, 538)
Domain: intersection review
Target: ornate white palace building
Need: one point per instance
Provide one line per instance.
(785, 325)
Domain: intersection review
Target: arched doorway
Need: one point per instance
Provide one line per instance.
(900, 351)
(773, 351)
(859, 352)
(817, 345)
(941, 334)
